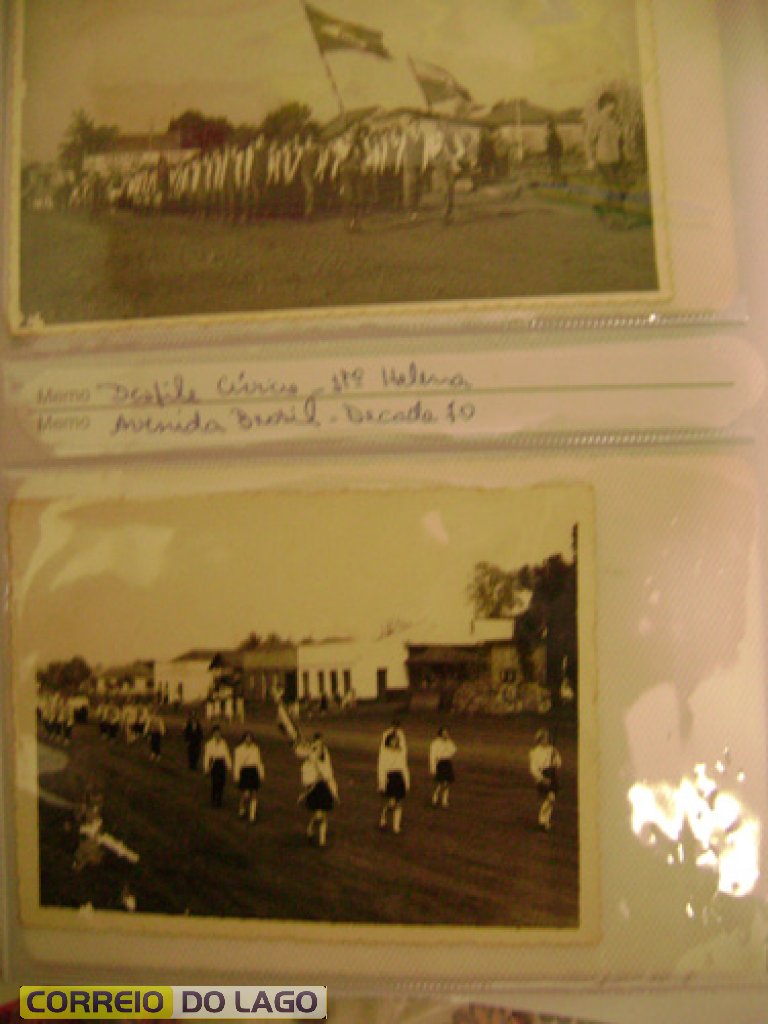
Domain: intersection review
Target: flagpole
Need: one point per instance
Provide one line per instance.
(421, 87)
(334, 84)
(327, 66)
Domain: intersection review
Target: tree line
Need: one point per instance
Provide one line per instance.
(196, 130)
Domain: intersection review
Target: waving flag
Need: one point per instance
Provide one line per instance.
(436, 83)
(333, 34)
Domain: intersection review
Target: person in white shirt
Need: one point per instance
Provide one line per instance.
(217, 761)
(249, 774)
(397, 730)
(393, 778)
(66, 718)
(129, 720)
(442, 750)
(545, 761)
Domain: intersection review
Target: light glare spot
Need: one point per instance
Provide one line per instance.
(726, 835)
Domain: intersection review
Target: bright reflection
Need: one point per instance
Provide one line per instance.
(726, 838)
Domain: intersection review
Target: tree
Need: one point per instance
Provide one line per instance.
(64, 675)
(82, 138)
(251, 642)
(287, 120)
(496, 593)
(542, 601)
(199, 131)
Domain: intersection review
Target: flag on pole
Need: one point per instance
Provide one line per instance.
(436, 83)
(334, 34)
(285, 722)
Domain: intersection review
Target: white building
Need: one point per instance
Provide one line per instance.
(187, 678)
(335, 667)
(129, 153)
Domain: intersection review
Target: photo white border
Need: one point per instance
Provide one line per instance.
(695, 261)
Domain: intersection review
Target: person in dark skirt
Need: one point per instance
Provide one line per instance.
(442, 750)
(217, 762)
(193, 737)
(155, 732)
(320, 793)
(114, 718)
(142, 721)
(249, 774)
(394, 779)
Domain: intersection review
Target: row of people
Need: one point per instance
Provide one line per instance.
(133, 721)
(320, 792)
(56, 713)
(363, 168)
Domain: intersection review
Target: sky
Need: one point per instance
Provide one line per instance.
(113, 581)
(138, 63)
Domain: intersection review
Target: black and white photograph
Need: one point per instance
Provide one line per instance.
(356, 707)
(193, 158)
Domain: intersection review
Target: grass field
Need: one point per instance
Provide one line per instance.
(81, 267)
(483, 861)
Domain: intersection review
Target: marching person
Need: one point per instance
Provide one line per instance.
(545, 762)
(114, 718)
(442, 750)
(393, 778)
(142, 721)
(69, 720)
(397, 730)
(193, 737)
(351, 169)
(155, 733)
(249, 774)
(102, 716)
(255, 177)
(320, 792)
(128, 722)
(447, 152)
(57, 717)
(139, 725)
(413, 161)
(308, 168)
(217, 761)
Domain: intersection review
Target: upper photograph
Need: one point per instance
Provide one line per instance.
(198, 158)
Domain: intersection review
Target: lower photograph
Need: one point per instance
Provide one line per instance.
(289, 709)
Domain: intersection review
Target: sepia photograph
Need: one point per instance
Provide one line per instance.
(357, 707)
(192, 158)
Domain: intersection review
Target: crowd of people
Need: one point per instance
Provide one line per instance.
(320, 791)
(242, 764)
(364, 169)
(133, 721)
(57, 714)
